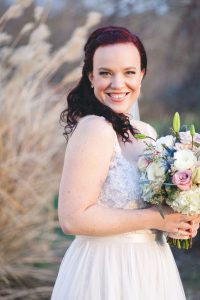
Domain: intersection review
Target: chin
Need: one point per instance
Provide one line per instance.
(120, 110)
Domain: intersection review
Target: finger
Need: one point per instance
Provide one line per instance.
(195, 217)
(193, 231)
(177, 237)
(193, 234)
(194, 222)
(181, 233)
(195, 227)
(185, 226)
(189, 218)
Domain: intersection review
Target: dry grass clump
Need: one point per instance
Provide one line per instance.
(31, 151)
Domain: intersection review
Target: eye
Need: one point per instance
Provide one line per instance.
(104, 73)
(130, 72)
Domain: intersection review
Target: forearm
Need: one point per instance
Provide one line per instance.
(98, 220)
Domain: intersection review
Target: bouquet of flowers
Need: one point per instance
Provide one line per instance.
(170, 173)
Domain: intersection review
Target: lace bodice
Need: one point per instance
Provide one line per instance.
(121, 187)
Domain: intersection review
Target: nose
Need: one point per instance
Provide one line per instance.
(117, 82)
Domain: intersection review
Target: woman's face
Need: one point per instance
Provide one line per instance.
(117, 76)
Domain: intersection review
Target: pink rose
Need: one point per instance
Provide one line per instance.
(183, 179)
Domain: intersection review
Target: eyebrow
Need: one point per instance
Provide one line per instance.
(127, 68)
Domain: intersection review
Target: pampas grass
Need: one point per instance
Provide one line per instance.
(31, 151)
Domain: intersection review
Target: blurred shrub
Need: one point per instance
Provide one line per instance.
(31, 150)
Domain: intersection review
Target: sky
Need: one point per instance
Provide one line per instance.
(160, 6)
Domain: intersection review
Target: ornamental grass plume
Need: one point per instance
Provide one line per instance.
(31, 154)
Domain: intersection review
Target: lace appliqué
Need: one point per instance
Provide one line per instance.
(121, 187)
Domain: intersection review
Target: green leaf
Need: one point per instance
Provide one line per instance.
(140, 136)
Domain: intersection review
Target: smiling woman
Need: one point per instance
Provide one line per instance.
(118, 84)
(120, 250)
(83, 99)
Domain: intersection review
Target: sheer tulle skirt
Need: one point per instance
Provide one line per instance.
(121, 267)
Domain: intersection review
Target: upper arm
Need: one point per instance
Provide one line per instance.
(86, 165)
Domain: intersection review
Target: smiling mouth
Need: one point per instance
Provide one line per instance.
(117, 96)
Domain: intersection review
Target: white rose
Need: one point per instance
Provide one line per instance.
(167, 141)
(184, 159)
(155, 171)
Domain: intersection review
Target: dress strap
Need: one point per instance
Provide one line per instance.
(116, 143)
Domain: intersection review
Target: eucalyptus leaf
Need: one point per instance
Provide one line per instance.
(140, 136)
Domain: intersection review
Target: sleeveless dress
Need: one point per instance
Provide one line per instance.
(136, 265)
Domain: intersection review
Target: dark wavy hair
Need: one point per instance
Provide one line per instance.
(81, 99)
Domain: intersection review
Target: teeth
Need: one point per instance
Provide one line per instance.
(117, 96)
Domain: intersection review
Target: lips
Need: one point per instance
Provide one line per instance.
(117, 96)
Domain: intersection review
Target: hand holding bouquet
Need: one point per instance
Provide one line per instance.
(170, 173)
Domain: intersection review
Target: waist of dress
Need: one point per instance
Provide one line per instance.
(139, 236)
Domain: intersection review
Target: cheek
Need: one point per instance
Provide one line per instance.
(100, 84)
(138, 81)
(135, 84)
(135, 81)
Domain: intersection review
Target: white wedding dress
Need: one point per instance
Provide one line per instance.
(132, 266)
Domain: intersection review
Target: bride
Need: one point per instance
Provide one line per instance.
(120, 250)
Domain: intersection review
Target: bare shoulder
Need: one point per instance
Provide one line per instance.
(93, 130)
(95, 125)
(144, 128)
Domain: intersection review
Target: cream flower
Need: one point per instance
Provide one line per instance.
(166, 140)
(196, 176)
(184, 159)
(156, 171)
(186, 202)
(181, 146)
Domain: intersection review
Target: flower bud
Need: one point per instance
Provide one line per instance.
(176, 122)
(192, 130)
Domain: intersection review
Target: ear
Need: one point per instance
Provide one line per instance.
(91, 77)
(142, 74)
